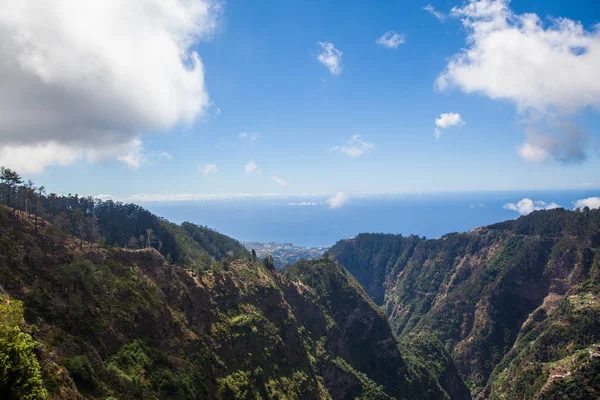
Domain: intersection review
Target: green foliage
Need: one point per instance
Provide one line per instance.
(236, 386)
(268, 262)
(369, 389)
(20, 373)
(482, 293)
(81, 370)
(130, 363)
(217, 245)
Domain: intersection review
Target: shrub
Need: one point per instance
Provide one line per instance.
(20, 373)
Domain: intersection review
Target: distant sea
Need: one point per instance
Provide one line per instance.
(308, 221)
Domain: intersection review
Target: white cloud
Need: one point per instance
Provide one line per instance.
(134, 157)
(303, 204)
(446, 120)
(391, 40)
(526, 206)
(548, 71)
(208, 169)
(81, 79)
(330, 57)
(355, 147)
(591, 202)
(250, 167)
(438, 14)
(532, 152)
(251, 137)
(338, 200)
(280, 181)
(33, 158)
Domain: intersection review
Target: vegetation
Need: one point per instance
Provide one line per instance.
(126, 323)
(105, 300)
(508, 301)
(20, 372)
(116, 224)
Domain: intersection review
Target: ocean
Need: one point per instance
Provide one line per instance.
(308, 220)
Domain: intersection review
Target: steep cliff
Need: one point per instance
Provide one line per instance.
(491, 293)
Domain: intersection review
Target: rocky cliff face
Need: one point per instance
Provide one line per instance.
(127, 324)
(506, 300)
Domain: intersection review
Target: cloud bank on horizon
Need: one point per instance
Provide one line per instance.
(338, 200)
(590, 202)
(526, 206)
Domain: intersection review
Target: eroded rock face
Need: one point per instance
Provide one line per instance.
(488, 293)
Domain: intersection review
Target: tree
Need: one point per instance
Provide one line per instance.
(11, 180)
(133, 243)
(149, 237)
(93, 229)
(79, 226)
(50, 242)
(41, 192)
(62, 226)
(254, 254)
(268, 262)
(20, 371)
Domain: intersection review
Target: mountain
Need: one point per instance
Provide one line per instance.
(516, 304)
(102, 321)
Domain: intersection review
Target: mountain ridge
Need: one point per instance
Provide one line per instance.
(111, 322)
(476, 290)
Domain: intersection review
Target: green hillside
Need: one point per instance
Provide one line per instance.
(512, 302)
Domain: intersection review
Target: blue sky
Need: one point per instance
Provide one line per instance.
(262, 76)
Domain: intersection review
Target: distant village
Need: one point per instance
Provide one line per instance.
(284, 253)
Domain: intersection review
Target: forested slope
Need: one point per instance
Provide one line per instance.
(109, 322)
(512, 302)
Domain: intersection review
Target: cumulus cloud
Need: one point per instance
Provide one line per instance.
(338, 200)
(391, 40)
(81, 79)
(438, 14)
(446, 120)
(250, 167)
(280, 181)
(355, 147)
(547, 70)
(303, 204)
(208, 169)
(526, 206)
(330, 57)
(591, 202)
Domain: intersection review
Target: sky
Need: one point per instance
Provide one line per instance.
(178, 99)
